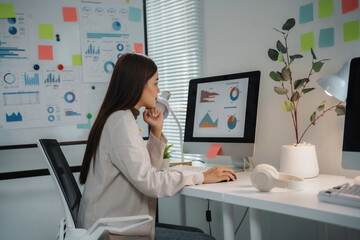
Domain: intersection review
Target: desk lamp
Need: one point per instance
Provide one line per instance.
(336, 84)
(163, 104)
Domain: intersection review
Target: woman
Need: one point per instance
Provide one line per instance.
(120, 171)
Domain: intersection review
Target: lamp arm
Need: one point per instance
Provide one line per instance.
(181, 138)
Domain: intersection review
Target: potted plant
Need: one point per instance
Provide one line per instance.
(299, 158)
(166, 157)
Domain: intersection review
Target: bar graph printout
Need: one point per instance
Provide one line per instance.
(220, 108)
(30, 98)
(14, 36)
(108, 29)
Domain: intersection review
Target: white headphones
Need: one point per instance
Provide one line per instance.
(264, 177)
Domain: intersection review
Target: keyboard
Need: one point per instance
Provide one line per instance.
(343, 194)
(187, 168)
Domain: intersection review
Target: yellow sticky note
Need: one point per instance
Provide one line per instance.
(326, 8)
(307, 41)
(46, 31)
(351, 31)
(7, 10)
(76, 60)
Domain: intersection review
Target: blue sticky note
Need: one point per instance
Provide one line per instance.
(306, 13)
(326, 38)
(135, 14)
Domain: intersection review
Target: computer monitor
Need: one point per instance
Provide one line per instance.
(351, 141)
(222, 109)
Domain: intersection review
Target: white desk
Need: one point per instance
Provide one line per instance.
(301, 204)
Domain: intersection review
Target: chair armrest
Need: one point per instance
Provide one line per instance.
(107, 224)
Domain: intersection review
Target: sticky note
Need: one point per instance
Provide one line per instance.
(326, 8)
(76, 60)
(307, 41)
(69, 14)
(351, 31)
(306, 13)
(215, 149)
(46, 31)
(138, 47)
(326, 38)
(349, 5)
(7, 10)
(135, 14)
(45, 52)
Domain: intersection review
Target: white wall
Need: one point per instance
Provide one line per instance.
(238, 34)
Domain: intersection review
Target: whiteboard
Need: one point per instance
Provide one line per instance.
(58, 63)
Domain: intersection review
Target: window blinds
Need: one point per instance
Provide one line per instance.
(174, 34)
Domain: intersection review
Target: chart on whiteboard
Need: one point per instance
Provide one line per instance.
(32, 98)
(107, 32)
(14, 43)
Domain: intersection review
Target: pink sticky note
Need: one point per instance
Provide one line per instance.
(69, 14)
(45, 52)
(138, 47)
(214, 150)
(349, 5)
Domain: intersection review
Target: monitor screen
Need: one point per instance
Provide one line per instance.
(351, 141)
(222, 109)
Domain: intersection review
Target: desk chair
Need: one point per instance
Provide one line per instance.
(70, 195)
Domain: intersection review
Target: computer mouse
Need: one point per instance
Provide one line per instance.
(229, 180)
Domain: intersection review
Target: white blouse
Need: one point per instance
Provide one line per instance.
(126, 180)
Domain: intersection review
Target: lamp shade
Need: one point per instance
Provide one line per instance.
(163, 103)
(336, 84)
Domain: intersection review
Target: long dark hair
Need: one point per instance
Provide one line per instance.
(130, 75)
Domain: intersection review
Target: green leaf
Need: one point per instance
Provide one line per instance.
(273, 54)
(293, 57)
(279, 76)
(340, 110)
(281, 57)
(290, 23)
(280, 47)
(317, 66)
(279, 31)
(321, 106)
(285, 74)
(274, 77)
(287, 106)
(295, 96)
(306, 90)
(166, 151)
(281, 91)
(312, 118)
(313, 54)
(300, 82)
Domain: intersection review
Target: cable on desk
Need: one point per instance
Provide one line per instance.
(247, 209)
(198, 161)
(208, 216)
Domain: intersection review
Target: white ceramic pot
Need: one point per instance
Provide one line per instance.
(165, 163)
(300, 160)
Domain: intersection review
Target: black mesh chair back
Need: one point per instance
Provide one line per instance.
(63, 175)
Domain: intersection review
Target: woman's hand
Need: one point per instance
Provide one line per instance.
(154, 117)
(217, 174)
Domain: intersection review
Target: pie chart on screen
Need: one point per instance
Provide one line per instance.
(231, 123)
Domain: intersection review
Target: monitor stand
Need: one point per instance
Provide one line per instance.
(240, 163)
(235, 163)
